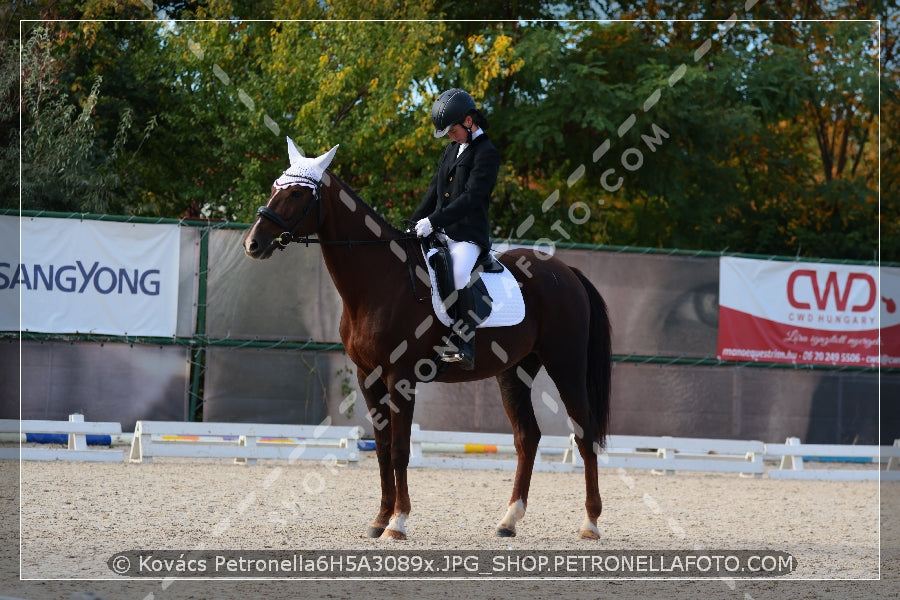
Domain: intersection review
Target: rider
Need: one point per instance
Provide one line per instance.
(456, 206)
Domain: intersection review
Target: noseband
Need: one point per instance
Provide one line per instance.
(290, 232)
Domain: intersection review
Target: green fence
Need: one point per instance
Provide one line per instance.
(198, 342)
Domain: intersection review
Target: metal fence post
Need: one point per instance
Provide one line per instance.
(200, 339)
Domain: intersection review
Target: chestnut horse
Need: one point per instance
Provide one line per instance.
(391, 334)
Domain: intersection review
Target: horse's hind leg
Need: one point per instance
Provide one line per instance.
(588, 448)
(569, 377)
(374, 391)
(515, 389)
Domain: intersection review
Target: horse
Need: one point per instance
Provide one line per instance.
(391, 334)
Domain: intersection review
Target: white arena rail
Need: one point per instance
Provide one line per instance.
(792, 453)
(665, 454)
(77, 430)
(248, 442)
(661, 454)
(244, 442)
(429, 449)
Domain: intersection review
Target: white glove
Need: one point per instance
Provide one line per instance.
(424, 228)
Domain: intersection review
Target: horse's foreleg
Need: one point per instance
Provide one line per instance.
(516, 393)
(396, 528)
(373, 391)
(388, 486)
(401, 403)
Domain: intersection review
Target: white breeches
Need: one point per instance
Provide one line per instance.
(463, 255)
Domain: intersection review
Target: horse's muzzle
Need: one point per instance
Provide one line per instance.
(254, 248)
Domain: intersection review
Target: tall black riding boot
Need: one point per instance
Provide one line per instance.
(450, 352)
(465, 327)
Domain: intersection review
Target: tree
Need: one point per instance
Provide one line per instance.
(243, 86)
(814, 87)
(619, 133)
(890, 129)
(63, 165)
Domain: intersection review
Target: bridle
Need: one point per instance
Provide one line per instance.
(290, 231)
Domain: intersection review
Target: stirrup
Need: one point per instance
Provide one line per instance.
(456, 355)
(452, 357)
(452, 352)
(468, 362)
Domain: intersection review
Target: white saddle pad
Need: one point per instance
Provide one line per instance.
(507, 308)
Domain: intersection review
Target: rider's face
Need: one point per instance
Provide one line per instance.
(458, 132)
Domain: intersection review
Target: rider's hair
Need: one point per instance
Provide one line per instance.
(479, 118)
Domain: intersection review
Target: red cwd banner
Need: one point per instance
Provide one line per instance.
(806, 313)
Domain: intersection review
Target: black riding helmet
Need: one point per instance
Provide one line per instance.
(450, 108)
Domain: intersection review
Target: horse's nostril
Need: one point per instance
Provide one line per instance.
(252, 246)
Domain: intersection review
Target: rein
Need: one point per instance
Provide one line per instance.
(350, 243)
(290, 232)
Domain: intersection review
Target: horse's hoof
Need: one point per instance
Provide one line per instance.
(393, 534)
(374, 531)
(588, 529)
(505, 532)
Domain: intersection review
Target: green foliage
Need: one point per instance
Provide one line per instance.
(245, 86)
(9, 123)
(63, 165)
(766, 144)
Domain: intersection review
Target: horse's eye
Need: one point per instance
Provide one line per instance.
(296, 193)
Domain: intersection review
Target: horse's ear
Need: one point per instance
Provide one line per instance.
(310, 167)
(323, 161)
(294, 154)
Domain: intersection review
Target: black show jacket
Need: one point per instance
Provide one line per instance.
(459, 194)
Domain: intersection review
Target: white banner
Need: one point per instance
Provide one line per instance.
(78, 276)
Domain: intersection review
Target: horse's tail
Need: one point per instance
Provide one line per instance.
(599, 371)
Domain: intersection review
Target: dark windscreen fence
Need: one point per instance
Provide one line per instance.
(730, 402)
(268, 385)
(288, 296)
(658, 304)
(258, 341)
(105, 382)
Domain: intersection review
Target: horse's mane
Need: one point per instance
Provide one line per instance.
(363, 204)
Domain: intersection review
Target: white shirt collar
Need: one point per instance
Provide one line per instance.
(462, 147)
